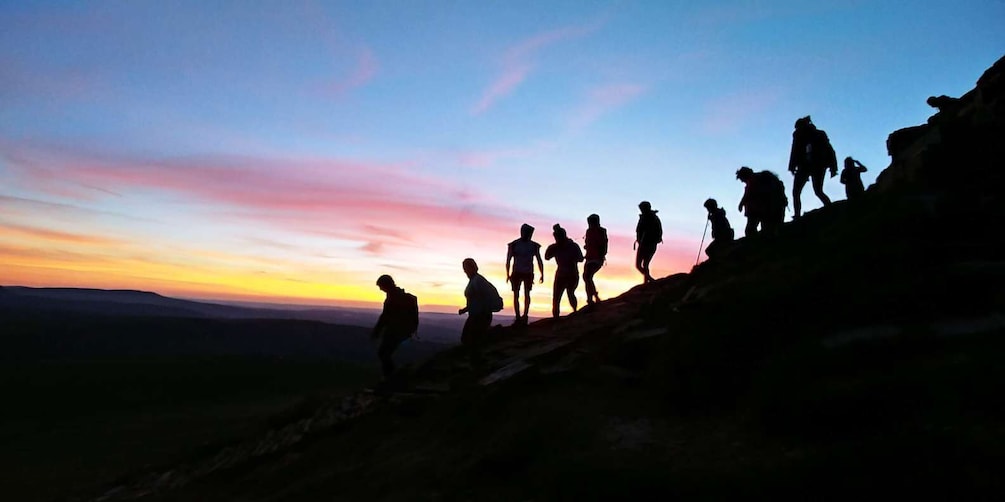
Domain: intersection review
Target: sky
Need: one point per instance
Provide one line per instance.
(294, 151)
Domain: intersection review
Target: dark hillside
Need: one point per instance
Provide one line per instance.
(855, 355)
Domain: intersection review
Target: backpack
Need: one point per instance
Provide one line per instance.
(410, 313)
(597, 238)
(774, 189)
(652, 229)
(405, 314)
(823, 152)
(494, 301)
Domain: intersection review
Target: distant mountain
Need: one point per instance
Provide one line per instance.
(433, 327)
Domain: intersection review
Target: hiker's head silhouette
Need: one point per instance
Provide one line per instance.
(744, 173)
(645, 206)
(593, 220)
(526, 231)
(711, 204)
(803, 122)
(559, 233)
(849, 162)
(385, 282)
(469, 266)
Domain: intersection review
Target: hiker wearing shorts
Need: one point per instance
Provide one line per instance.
(522, 253)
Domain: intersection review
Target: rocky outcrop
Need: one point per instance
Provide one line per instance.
(960, 145)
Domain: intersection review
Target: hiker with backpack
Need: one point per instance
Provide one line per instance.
(567, 255)
(648, 235)
(481, 300)
(595, 244)
(722, 232)
(763, 201)
(811, 156)
(522, 253)
(397, 322)
(851, 177)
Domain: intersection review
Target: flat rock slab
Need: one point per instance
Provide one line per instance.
(507, 372)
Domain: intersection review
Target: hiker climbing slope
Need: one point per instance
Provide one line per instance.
(722, 232)
(763, 201)
(567, 255)
(522, 253)
(648, 235)
(481, 300)
(397, 322)
(595, 244)
(811, 156)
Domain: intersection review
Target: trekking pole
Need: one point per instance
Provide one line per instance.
(696, 258)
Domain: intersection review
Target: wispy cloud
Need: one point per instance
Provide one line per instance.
(381, 206)
(519, 61)
(604, 99)
(365, 70)
(730, 112)
(35, 233)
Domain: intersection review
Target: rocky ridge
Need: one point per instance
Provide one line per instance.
(863, 331)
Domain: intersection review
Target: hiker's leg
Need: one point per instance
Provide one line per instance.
(526, 299)
(751, 229)
(647, 258)
(818, 186)
(384, 351)
(516, 302)
(638, 260)
(556, 296)
(797, 188)
(571, 291)
(588, 270)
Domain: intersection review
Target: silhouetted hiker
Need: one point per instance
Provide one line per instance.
(648, 235)
(763, 201)
(722, 233)
(522, 253)
(482, 299)
(567, 257)
(851, 177)
(596, 253)
(811, 156)
(397, 322)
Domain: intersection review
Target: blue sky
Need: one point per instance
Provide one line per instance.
(297, 150)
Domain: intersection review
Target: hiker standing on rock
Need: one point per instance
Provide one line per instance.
(811, 156)
(397, 322)
(763, 201)
(522, 253)
(722, 233)
(481, 300)
(851, 177)
(648, 235)
(596, 252)
(567, 257)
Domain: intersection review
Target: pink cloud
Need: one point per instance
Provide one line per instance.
(604, 99)
(383, 206)
(517, 63)
(365, 70)
(55, 235)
